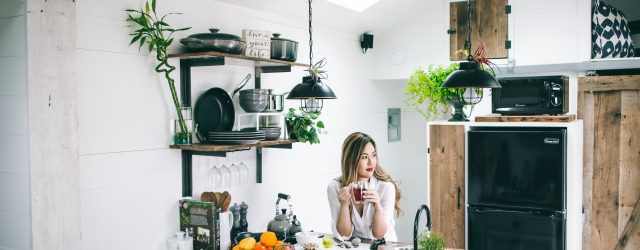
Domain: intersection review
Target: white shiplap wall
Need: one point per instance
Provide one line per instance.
(14, 161)
(130, 181)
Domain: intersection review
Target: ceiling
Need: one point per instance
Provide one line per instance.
(380, 16)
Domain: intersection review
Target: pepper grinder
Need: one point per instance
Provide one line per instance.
(235, 227)
(244, 225)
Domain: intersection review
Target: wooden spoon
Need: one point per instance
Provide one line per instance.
(225, 201)
(207, 196)
(218, 199)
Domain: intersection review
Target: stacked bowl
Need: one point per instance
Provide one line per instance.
(254, 100)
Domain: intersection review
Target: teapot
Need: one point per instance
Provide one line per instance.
(281, 224)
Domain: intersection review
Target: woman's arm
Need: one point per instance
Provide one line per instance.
(383, 211)
(344, 225)
(339, 202)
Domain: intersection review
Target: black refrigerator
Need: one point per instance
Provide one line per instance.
(516, 188)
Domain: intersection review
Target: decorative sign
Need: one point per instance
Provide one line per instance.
(258, 43)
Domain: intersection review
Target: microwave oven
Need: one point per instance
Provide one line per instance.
(538, 95)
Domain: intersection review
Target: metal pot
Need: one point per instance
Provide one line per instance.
(275, 102)
(283, 49)
(214, 41)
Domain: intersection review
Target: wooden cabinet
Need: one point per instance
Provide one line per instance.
(447, 189)
(489, 27)
(610, 108)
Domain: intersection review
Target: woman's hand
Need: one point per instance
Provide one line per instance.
(371, 196)
(344, 196)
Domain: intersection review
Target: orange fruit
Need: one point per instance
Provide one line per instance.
(268, 239)
(236, 247)
(259, 247)
(279, 243)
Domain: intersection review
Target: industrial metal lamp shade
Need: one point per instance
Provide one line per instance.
(469, 75)
(311, 89)
(311, 93)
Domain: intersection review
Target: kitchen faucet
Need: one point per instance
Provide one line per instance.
(415, 224)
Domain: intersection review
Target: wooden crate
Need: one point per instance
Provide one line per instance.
(610, 108)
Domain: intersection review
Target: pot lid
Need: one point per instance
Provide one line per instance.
(276, 36)
(215, 35)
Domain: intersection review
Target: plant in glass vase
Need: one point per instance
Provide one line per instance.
(156, 34)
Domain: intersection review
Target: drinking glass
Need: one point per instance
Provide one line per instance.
(244, 173)
(226, 176)
(357, 191)
(235, 174)
(215, 178)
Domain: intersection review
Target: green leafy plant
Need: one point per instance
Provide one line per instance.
(157, 35)
(423, 88)
(430, 241)
(316, 70)
(303, 126)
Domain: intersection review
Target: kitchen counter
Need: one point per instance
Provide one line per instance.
(391, 245)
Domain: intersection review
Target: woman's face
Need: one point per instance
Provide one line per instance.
(368, 162)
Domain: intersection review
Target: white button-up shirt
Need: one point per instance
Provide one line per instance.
(362, 224)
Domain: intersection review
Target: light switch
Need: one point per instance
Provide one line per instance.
(394, 121)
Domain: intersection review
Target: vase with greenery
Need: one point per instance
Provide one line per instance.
(430, 241)
(156, 34)
(423, 88)
(304, 126)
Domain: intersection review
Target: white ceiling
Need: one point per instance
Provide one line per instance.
(380, 16)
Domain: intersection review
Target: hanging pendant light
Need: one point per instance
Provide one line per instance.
(311, 91)
(470, 75)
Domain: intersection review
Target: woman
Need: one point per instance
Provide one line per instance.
(374, 218)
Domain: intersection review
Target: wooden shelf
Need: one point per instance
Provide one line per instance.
(532, 118)
(239, 59)
(200, 147)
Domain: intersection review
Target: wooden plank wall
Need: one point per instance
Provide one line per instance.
(446, 161)
(610, 108)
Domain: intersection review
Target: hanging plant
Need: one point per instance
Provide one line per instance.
(156, 34)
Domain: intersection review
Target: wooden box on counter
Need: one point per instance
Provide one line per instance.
(201, 221)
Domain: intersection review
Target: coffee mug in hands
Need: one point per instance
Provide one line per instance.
(357, 191)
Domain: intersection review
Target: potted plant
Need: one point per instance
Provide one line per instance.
(156, 34)
(430, 241)
(304, 126)
(423, 88)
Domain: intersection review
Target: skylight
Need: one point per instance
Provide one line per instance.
(355, 5)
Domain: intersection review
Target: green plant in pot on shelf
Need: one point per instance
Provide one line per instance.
(156, 34)
(423, 89)
(304, 126)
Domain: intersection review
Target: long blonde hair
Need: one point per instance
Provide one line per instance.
(352, 149)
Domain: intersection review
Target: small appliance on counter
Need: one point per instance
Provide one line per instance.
(282, 224)
(540, 95)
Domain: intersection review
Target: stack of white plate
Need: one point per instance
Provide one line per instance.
(236, 137)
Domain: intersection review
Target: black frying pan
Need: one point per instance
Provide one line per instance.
(214, 112)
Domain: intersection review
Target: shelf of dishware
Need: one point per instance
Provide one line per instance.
(201, 147)
(237, 59)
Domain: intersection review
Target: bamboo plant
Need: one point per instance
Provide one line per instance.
(156, 34)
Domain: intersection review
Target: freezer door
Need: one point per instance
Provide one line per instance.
(517, 168)
(493, 229)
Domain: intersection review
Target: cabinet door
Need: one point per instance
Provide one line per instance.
(446, 161)
(489, 26)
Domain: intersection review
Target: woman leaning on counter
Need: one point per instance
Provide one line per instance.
(372, 219)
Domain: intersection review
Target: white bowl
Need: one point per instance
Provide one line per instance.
(308, 237)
